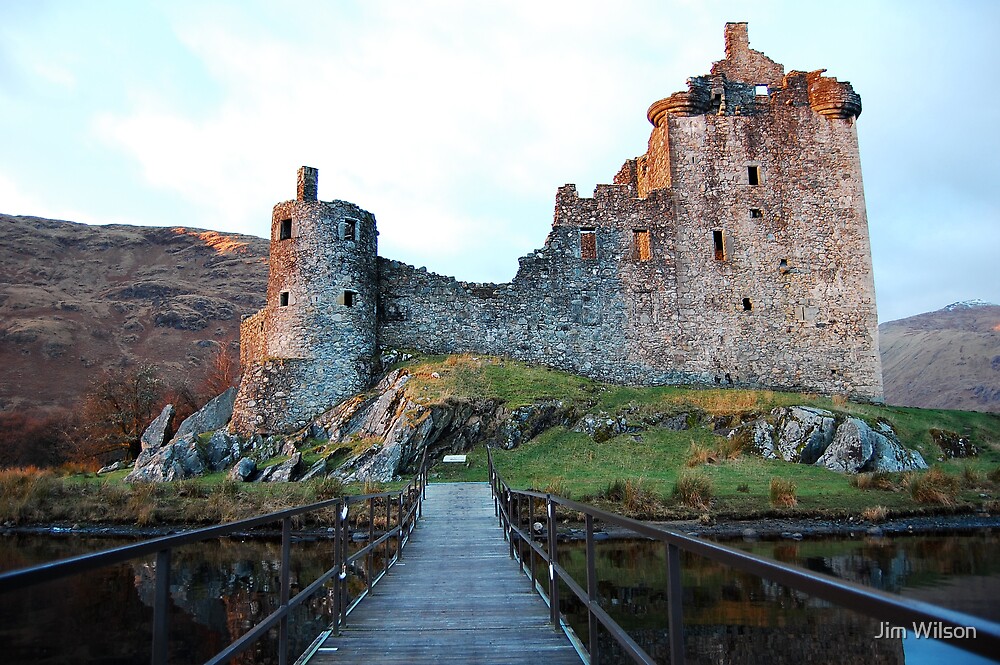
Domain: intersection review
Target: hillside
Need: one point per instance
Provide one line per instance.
(76, 298)
(948, 359)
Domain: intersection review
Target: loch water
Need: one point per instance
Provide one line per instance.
(221, 589)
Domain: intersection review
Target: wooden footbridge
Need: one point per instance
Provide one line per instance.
(452, 590)
(455, 596)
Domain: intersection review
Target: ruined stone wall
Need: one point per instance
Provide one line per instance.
(733, 252)
(315, 341)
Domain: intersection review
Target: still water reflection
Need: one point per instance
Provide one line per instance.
(732, 617)
(219, 590)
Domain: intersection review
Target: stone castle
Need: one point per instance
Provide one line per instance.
(734, 252)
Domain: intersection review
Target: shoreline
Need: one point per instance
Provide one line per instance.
(752, 529)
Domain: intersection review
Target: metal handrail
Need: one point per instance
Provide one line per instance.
(509, 505)
(407, 504)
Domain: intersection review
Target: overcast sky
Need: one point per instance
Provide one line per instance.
(455, 122)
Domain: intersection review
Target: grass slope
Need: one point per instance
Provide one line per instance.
(638, 473)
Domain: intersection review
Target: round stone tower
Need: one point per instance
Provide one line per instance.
(314, 342)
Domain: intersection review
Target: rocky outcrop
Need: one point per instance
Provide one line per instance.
(400, 429)
(158, 431)
(210, 417)
(189, 453)
(243, 471)
(284, 472)
(809, 435)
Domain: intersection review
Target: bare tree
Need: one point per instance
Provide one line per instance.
(222, 373)
(119, 405)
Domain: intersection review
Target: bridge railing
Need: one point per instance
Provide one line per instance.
(400, 510)
(516, 510)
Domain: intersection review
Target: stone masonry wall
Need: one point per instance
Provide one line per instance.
(733, 252)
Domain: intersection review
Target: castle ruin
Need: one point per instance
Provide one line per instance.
(734, 252)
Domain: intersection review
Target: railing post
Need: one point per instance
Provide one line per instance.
(385, 543)
(286, 544)
(510, 522)
(553, 559)
(402, 518)
(345, 512)
(595, 656)
(161, 608)
(675, 605)
(336, 564)
(531, 527)
(520, 540)
(371, 539)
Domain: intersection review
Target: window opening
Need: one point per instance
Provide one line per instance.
(753, 175)
(349, 298)
(283, 299)
(640, 238)
(720, 245)
(783, 266)
(588, 244)
(350, 229)
(756, 213)
(747, 305)
(285, 232)
(760, 89)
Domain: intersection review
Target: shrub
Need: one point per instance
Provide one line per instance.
(872, 481)
(935, 486)
(972, 477)
(875, 513)
(694, 489)
(635, 496)
(782, 493)
(699, 454)
(743, 487)
(994, 475)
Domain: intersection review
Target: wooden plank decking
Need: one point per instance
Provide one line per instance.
(454, 597)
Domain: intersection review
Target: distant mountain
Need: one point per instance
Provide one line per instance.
(948, 359)
(76, 298)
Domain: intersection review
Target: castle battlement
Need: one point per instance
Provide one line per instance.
(733, 252)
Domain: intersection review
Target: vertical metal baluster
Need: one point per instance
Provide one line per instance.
(531, 530)
(592, 592)
(385, 543)
(345, 539)
(371, 539)
(402, 519)
(161, 608)
(520, 540)
(675, 605)
(336, 565)
(510, 523)
(553, 558)
(285, 576)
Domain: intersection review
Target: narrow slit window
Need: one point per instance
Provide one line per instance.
(283, 299)
(719, 243)
(747, 305)
(588, 244)
(349, 298)
(756, 213)
(753, 175)
(285, 230)
(350, 229)
(640, 238)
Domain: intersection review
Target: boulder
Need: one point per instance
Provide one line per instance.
(952, 444)
(857, 448)
(222, 450)
(317, 470)
(212, 416)
(243, 471)
(285, 472)
(182, 458)
(158, 431)
(802, 433)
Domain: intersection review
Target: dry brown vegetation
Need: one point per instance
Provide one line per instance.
(694, 489)
(935, 486)
(782, 493)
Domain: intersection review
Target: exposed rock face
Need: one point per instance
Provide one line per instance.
(814, 436)
(402, 429)
(158, 431)
(244, 470)
(284, 472)
(186, 455)
(210, 417)
(953, 444)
